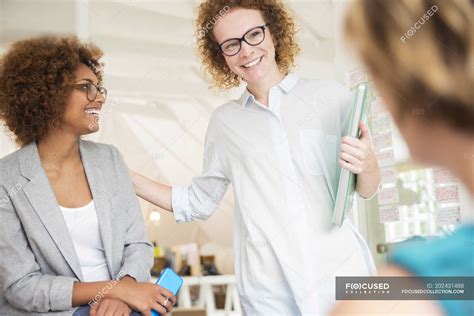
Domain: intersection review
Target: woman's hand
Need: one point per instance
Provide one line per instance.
(110, 307)
(144, 297)
(356, 154)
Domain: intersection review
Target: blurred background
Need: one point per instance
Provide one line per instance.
(160, 103)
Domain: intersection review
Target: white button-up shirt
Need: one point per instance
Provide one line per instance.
(282, 161)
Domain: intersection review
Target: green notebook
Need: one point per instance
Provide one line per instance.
(346, 186)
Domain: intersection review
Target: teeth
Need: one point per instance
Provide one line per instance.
(92, 111)
(253, 63)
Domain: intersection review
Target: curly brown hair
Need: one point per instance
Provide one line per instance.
(281, 24)
(36, 77)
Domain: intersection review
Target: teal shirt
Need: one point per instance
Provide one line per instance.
(449, 256)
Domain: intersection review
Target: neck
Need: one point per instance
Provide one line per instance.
(261, 89)
(465, 172)
(458, 156)
(58, 147)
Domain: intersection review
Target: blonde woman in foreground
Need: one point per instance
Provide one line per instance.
(429, 73)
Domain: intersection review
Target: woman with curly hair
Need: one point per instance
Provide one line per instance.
(72, 233)
(278, 144)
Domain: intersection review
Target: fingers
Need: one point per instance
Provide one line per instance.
(352, 160)
(108, 307)
(103, 309)
(93, 310)
(348, 149)
(127, 311)
(363, 128)
(159, 308)
(167, 302)
(165, 292)
(172, 299)
(123, 310)
(146, 312)
(354, 142)
(354, 155)
(348, 166)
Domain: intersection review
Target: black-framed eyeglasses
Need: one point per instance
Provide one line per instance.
(92, 90)
(253, 37)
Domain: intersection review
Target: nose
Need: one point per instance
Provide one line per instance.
(100, 98)
(246, 50)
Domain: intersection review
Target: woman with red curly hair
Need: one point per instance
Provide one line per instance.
(279, 145)
(72, 232)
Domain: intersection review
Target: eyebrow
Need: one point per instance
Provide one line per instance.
(89, 80)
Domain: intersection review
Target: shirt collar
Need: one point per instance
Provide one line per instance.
(286, 85)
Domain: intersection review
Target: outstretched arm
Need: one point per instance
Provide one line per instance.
(152, 191)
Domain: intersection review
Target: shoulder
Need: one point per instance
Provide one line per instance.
(226, 109)
(107, 158)
(440, 255)
(321, 85)
(10, 167)
(9, 160)
(223, 114)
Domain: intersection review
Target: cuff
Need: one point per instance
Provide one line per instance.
(135, 271)
(60, 294)
(373, 194)
(180, 204)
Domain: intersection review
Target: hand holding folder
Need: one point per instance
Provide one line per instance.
(346, 185)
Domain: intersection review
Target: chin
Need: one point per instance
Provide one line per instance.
(93, 127)
(254, 78)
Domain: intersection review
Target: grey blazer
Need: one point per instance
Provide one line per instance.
(38, 263)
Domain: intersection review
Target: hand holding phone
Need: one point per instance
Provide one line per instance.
(169, 280)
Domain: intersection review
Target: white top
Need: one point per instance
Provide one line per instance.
(283, 164)
(83, 226)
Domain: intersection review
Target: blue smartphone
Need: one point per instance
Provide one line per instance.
(170, 281)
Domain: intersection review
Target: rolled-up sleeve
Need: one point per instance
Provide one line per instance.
(22, 283)
(200, 199)
(138, 254)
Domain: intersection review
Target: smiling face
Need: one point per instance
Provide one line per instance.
(253, 64)
(81, 116)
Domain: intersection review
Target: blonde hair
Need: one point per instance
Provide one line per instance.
(281, 25)
(422, 52)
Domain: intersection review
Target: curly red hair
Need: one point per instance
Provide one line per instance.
(36, 77)
(281, 24)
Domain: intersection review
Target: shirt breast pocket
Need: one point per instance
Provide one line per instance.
(319, 150)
